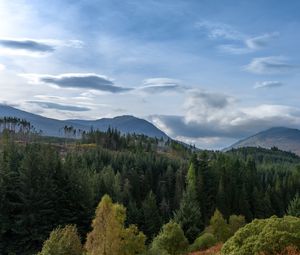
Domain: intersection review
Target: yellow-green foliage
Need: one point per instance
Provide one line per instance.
(109, 235)
(236, 222)
(133, 241)
(222, 230)
(219, 227)
(268, 236)
(63, 241)
(203, 242)
(170, 240)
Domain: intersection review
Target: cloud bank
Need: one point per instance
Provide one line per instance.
(213, 115)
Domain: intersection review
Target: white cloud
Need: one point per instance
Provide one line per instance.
(211, 115)
(268, 84)
(270, 65)
(2, 67)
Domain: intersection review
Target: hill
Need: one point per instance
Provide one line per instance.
(286, 139)
(53, 127)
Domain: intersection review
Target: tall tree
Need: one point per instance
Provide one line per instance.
(151, 216)
(105, 238)
(189, 215)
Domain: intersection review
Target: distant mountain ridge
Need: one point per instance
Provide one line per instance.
(53, 127)
(287, 139)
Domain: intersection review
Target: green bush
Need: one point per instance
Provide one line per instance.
(63, 241)
(269, 236)
(203, 242)
(170, 240)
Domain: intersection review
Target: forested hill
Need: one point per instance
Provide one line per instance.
(156, 180)
(74, 128)
(265, 156)
(287, 139)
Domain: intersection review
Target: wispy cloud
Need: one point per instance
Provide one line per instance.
(78, 81)
(34, 47)
(2, 67)
(249, 44)
(57, 106)
(261, 41)
(268, 84)
(270, 65)
(216, 30)
(236, 42)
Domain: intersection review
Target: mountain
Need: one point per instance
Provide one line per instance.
(52, 127)
(125, 124)
(286, 139)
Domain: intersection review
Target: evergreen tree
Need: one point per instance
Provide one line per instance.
(151, 216)
(294, 207)
(189, 215)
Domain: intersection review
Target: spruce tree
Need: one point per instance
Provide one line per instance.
(189, 215)
(151, 216)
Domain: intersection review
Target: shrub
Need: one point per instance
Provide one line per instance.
(203, 242)
(266, 236)
(63, 241)
(170, 240)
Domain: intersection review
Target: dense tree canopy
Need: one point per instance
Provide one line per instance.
(63, 181)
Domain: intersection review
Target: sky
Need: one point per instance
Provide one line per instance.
(206, 72)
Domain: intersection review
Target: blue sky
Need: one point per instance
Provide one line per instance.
(206, 72)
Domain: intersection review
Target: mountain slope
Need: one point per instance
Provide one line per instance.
(53, 127)
(286, 139)
(125, 124)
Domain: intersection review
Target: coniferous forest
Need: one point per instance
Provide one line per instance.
(142, 193)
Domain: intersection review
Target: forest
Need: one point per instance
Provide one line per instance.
(109, 193)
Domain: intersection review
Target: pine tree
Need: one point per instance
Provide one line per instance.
(189, 215)
(152, 219)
